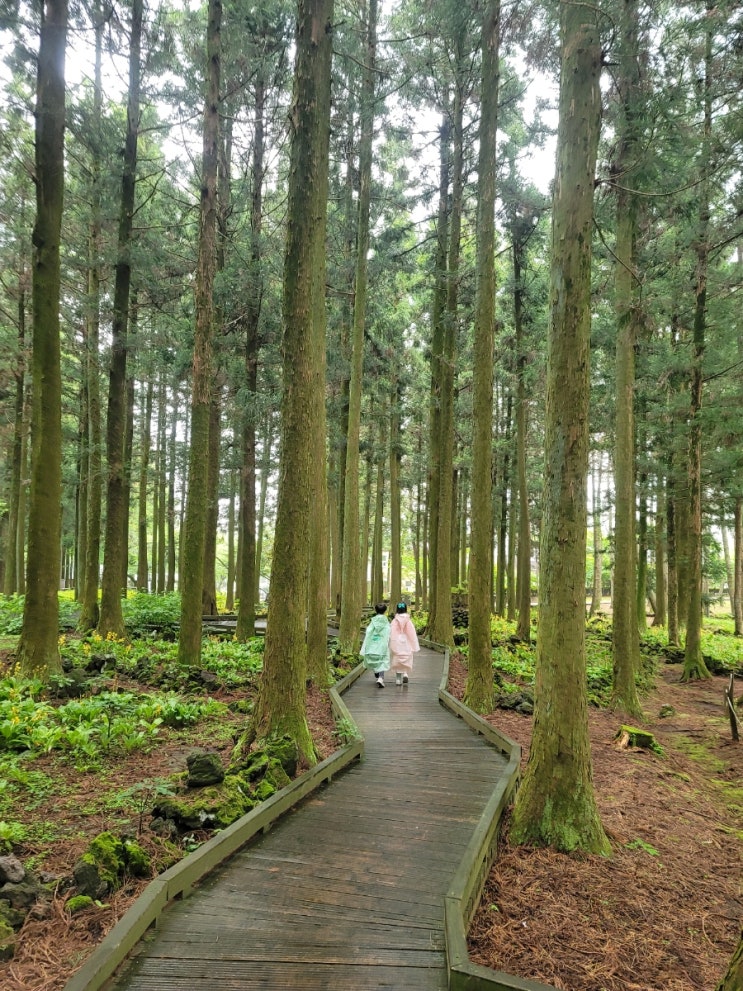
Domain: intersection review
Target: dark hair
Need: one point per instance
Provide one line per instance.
(401, 607)
(381, 607)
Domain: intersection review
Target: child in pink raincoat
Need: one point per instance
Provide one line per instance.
(403, 644)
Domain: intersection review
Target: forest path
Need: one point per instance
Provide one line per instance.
(346, 891)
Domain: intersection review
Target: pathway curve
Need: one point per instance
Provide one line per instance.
(345, 892)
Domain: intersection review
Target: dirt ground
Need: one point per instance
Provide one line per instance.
(664, 912)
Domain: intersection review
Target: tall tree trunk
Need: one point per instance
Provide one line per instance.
(440, 626)
(500, 600)
(366, 594)
(249, 559)
(598, 539)
(194, 537)
(523, 566)
(128, 455)
(351, 582)
(661, 590)
(38, 650)
(395, 522)
(281, 705)
(642, 553)
(694, 666)
(111, 619)
(11, 576)
(144, 463)
(377, 571)
(209, 582)
(556, 804)
(672, 583)
(172, 462)
(738, 567)
(229, 599)
(438, 311)
(265, 470)
(625, 641)
(161, 481)
(479, 688)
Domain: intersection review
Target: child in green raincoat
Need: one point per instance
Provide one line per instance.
(375, 650)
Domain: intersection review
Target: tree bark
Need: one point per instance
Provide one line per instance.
(348, 635)
(694, 666)
(598, 539)
(438, 310)
(738, 567)
(660, 616)
(38, 650)
(479, 687)
(281, 704)
(733, 979)
(194, 537)
(625, 641)
(143, 584)
(111, 619)
(556, 804)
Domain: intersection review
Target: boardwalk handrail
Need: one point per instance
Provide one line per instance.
(465, 890)
(178, 880)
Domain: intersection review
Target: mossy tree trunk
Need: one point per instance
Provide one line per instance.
(249, 558)
(733, 979)
(625, 641)
(738, 567)
(16, 530)
(440, 626)
(479, 688)
(348, 635)
(209, 580)
(598, 539)
(661, 589)
(38, 649)
(143, 583)
(694, 666)
(556, 804)
(395, 511)
(281, 704)
(194, 537)
(521, 230)
(111, 619)
(438, 309)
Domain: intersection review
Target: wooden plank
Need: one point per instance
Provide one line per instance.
(348, 889)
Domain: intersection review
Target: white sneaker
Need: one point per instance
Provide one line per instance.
(380, 682)
(398, 678)
(404, 679)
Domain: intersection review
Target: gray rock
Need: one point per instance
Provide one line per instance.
(204, 769)
(11, 869)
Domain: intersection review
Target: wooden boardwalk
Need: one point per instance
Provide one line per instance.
(345, 891)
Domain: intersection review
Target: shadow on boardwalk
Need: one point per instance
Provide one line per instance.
(346, 891)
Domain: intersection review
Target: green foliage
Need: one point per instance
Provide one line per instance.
(639, 844)
(89, 727)
(231, 660)
(346, 731)
(516, 660)
(144, 613)
(11, 614)
(11, 833)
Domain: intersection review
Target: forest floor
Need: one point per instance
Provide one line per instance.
(662, 914)
(51, 948)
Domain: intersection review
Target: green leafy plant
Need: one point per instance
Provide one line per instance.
(11, 833)
(639, 844)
